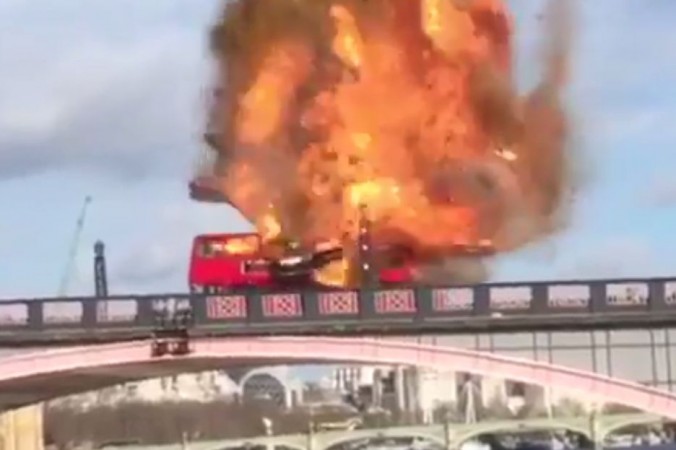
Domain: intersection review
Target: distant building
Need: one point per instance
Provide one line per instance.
(350, 378)
(426, 390)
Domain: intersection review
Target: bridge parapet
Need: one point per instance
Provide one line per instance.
(561, 305)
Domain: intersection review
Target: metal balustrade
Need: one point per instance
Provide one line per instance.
(401, 309)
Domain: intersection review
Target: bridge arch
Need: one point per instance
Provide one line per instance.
(624, 422)
(338, 438)
(266, 377)
(265, 386)
(275, 443)
(490, 428)
(111, 363)
(278, 442)
(267, 371)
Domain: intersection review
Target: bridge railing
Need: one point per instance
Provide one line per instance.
(401, 306)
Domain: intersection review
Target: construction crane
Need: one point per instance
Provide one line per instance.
(74, 245)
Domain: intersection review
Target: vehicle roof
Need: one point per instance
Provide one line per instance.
(225, 235)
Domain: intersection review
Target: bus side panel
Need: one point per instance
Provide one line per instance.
(222, 271)
(396, 275)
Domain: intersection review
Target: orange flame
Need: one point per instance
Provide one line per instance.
(242, 246)
(405, 108)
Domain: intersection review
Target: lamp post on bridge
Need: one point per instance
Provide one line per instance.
(311, 429)
(549, 408)
(596, 408)
(269, 431)
(367, 273)
(469, 390)
(447, 429)
(267, 425)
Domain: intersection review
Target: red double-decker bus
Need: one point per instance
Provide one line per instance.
(220, 262)
(228, 261)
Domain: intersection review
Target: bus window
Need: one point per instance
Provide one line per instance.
(209, 249)
(235, 246)
(242, 246)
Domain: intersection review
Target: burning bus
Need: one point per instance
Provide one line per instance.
(220, 262)
(406, 108)
(223, 262)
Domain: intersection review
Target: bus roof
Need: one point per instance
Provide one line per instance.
(225, 236)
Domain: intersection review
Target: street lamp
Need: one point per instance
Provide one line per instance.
(595, 408)
(470, 407)
(267, 424)
(311, 428)
(548, 402)
(447, 428)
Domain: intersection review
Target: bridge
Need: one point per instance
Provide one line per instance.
(102, 341)
(33, 376)
(449, 436)
(37, 376)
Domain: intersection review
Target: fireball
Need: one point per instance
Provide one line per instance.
(404, 110)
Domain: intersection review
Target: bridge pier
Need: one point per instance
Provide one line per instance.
(22, 429)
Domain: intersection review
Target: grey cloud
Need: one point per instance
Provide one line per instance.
(616, 257)
(159, 262)
(126, 110)
(154, 263)
(661, 192)
(150, 262)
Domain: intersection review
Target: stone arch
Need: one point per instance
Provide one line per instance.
(626, 421)
(399, 432)
(260, 371)
(489, 428)
(267, 382)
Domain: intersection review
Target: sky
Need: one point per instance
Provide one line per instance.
(106, 98)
